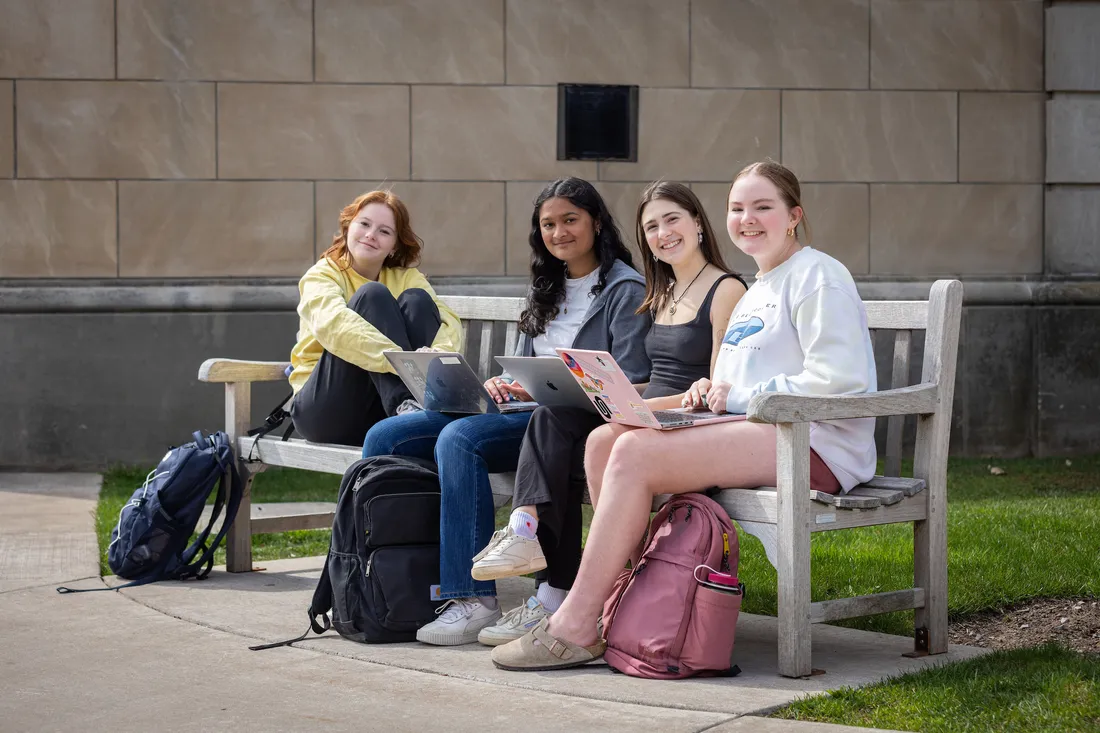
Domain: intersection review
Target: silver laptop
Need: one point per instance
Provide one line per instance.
(547, 380)
(444, 382)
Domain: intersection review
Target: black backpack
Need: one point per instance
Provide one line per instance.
(152, 540)
(383, 558)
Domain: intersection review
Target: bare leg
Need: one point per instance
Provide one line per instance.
(597, 451)
(647, 462)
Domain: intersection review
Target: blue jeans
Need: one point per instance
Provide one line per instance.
(466, 449)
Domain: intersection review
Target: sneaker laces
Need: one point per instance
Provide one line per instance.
(526, 612)
(456, 608)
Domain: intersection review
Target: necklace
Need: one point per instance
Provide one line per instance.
(672, 292)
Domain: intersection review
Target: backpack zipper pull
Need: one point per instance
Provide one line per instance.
(366, 571)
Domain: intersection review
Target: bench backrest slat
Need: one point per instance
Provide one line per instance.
(899, 378)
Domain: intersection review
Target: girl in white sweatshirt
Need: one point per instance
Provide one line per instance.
(800, 328)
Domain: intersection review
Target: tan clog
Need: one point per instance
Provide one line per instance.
(525, 655)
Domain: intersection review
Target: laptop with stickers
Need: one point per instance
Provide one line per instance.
(615, 398)
(547, 380)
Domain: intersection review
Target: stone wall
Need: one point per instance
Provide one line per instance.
(165, 139)
(188, 146)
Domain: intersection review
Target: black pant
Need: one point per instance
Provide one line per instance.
(341, 401)
(550, 476)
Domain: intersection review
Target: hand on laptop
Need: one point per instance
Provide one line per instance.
(501, 391)
(707, 395)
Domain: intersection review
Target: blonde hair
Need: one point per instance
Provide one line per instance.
(406, 253)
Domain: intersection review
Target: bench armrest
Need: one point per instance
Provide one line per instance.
(784, 407)
(237, 370)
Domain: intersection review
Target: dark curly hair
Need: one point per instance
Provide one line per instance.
(548, 272)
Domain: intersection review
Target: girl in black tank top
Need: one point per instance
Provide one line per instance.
(550, 483)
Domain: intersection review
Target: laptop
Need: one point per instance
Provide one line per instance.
(547, 380)
(444, 382)
(615, 398)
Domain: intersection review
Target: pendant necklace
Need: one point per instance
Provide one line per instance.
(671, 292)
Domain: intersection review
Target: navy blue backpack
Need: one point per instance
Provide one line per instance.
(151, 540)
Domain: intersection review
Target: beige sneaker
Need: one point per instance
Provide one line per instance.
(497, 537)
(514, 624)
(512, 555)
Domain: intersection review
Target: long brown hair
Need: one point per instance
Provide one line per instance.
(658, 274)
(406, 252)
(786, 182)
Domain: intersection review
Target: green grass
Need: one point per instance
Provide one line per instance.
(1041, 689)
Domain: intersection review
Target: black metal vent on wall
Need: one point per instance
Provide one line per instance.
(597, 122)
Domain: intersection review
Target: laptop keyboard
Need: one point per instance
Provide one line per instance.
(672, 417)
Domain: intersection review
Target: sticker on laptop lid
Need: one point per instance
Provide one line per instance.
(449, 360)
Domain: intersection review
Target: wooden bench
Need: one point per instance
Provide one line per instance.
(783, 517)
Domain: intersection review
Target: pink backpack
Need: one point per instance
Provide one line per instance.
(673, 614)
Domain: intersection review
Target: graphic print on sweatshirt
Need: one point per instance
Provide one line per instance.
(741, 330)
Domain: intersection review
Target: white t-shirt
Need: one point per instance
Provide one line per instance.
(802, 328)
(561, 331)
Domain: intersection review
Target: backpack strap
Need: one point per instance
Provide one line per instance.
(276, 418)
(193, 568)
(318, 608)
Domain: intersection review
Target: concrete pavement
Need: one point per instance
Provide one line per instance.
(173, 656)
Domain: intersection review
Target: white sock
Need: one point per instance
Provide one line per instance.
(523, 524)
(550, 597)
(489, 602)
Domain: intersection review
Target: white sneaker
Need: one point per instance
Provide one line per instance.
(493, 542)
(514, 624)
(513, 555)
(460, 620)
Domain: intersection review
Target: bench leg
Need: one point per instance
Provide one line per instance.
(793, 529)
(238, 414)
(930, 573)
(238, 540)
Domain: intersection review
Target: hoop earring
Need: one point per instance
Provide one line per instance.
(790, 232)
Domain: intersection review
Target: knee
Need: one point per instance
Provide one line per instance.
(457, 439)
(632, 454)
(379, 440)
(417, 303)
(370, 295)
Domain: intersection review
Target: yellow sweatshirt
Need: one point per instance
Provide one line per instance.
(327, 324)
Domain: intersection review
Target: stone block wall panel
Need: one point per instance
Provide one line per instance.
(520, 198)
(58, 229)
(317, 131)
(57, 39)
(700, 134)
(488, 133)
(1072, 231)
(1001, 137)
(957, 44)
(138, 394)
(412, 41)
(1073, 139)
(113, 129)
(462, 224)
(7, 129)
(870, 136)
(780, 43)
(995, 409)
(179, 228)
(960, 229)
(1068, 341)
(1072, 52)
(214, 40)
(642, 42)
